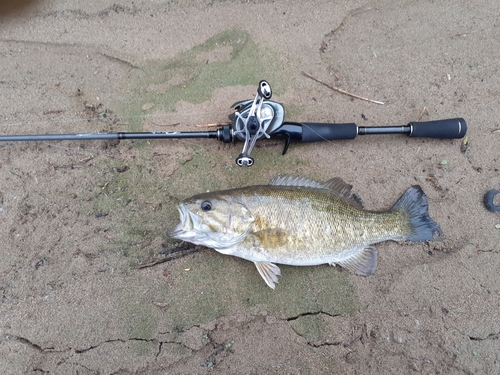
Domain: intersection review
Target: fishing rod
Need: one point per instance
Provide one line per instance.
(262, 118)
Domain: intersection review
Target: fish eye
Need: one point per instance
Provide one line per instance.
(206, 206)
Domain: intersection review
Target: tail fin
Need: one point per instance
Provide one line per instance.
(414, 202)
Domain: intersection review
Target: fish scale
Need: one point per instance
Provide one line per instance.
(301, 222)
(305, 214)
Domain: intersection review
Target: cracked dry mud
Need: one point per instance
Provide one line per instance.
(84, 285)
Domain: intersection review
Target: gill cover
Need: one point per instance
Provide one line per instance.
(213, 222)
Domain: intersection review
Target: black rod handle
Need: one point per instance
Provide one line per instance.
(443, 129)
(315, 132)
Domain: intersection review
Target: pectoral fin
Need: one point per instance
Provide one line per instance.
(269, 272)
(362, 262)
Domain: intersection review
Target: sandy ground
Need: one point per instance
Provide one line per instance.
(85, 288)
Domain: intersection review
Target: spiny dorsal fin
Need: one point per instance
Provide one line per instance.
(336, 185)
(285, 180)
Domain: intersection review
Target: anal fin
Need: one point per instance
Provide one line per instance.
(362, 262)
(269, 272)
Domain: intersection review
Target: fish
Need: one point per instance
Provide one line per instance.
(301, 222)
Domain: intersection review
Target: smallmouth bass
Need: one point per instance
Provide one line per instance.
(301, 222)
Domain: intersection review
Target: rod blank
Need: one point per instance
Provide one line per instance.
(104, 136)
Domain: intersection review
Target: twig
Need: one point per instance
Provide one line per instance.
(340, 90)
(213, 125)
(155, 124)
(183, 250)
(154, 263)
(472, 32)
(422, 113)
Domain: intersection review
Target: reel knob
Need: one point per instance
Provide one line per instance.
(244, 160)
(264, 90)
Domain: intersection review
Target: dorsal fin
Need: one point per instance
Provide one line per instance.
(338, 185)
(335, 184)
(285, 180)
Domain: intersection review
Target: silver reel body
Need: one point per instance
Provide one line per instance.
(256, 119)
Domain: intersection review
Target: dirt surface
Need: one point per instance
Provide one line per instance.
(87, 280)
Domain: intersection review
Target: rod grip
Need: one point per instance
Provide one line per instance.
(443, 129)
(315, 132)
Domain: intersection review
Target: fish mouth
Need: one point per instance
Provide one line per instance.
(192, 229)
(189, 229)
(185, 229)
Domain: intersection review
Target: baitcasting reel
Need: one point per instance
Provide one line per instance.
(254, 120)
